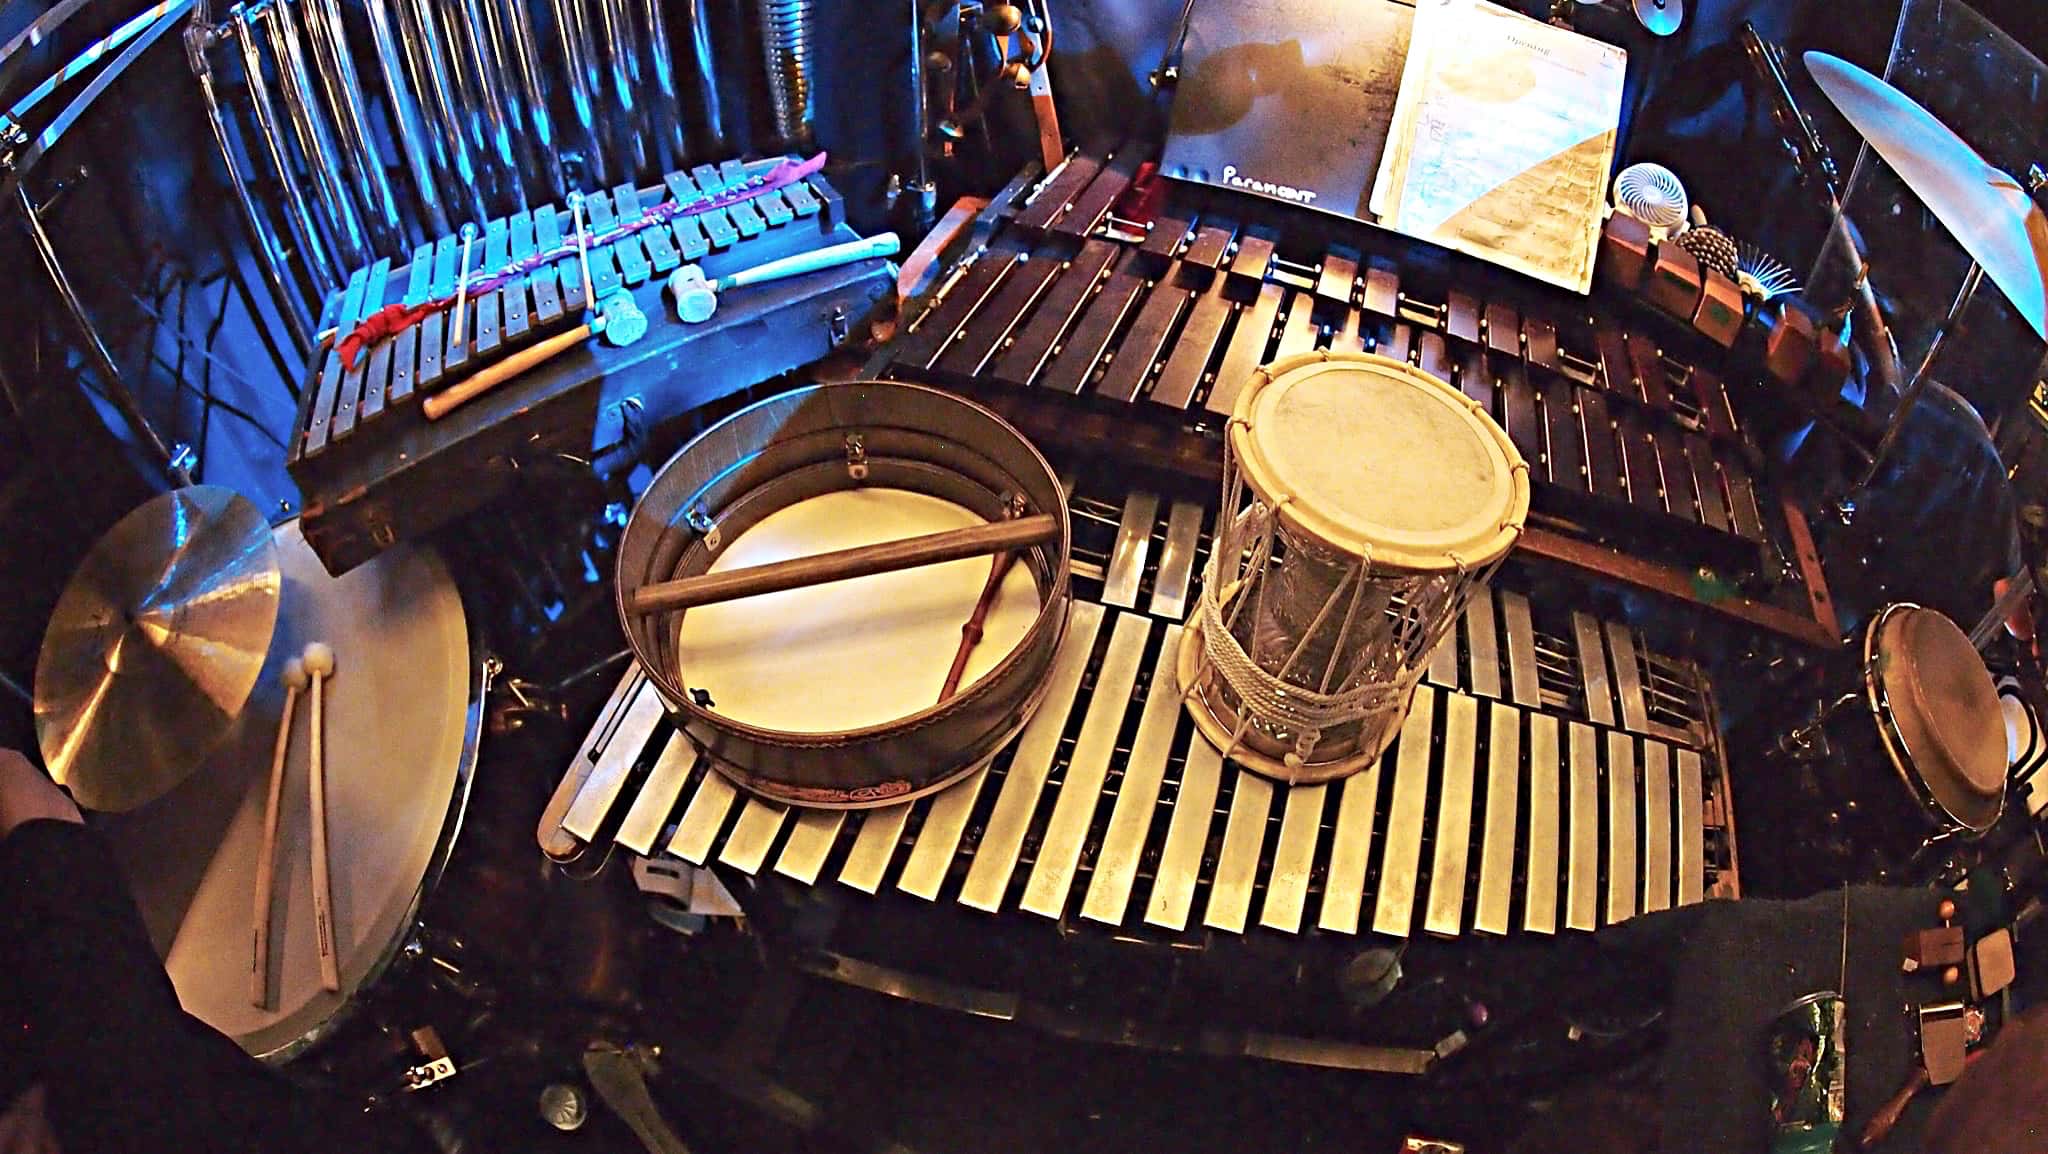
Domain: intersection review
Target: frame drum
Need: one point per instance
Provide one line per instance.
(404, 709)
(829, 695)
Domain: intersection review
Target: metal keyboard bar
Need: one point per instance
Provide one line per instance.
(1350, 851)
(1443, 660)
(1628, 677)
(1395, 909)
(703, 818)
(1691, 829)
(1445, 912)
(1582, 878)
(753, 835)
(1294, 858)
(1002, 839)
(1497, 842)
(658, 795)
(945, 821)
(1539, 903)
(1623, 873)
(1059, 850)
(874, 846)
(1123, 841)
(1482, 641)
(1593, 667)
(810, 842)
(1524, 686)
(1656, 826)
(1127, 560)
(1237, 864)
(1187, 835)
(1176, 561)
(601, 790)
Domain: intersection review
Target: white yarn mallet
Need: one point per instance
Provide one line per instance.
(294, 678)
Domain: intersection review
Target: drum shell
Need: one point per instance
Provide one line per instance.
(798, 445)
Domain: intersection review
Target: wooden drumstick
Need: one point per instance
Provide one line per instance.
(319, 660)
(970, 633)
(294, 678)
(484, 380)
(843, 564)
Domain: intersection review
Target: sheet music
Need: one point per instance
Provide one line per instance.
(1502, 139)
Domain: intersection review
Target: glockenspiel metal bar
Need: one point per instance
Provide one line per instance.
(1443, 660)
(1539, 901)
(1497, 841)
(874, 846)
(945, 820)
(1623, 876)
(1593, 668)
(705, 816)
(1187, 835)
(1691, 829)
(1133, 542)
(1237, 864)
(1002, 839)
(1176, 561)
(1482, 641)
(1524, 685)
(810, 842)
(1123, 841)
(658, 795)
(1294, 858)
(1394, 910)
(1628, 677)
(1350, 851)
(1656, 826)
(1080, 794)
(1445, 913)
(753, 835)
(601, 790)
(1582, 878)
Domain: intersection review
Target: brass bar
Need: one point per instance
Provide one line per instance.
(1445, 913)
(1497, 841)
(1394, 912)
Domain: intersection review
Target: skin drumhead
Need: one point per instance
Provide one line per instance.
(1946, 709)
(1372, 455)
(848, 655)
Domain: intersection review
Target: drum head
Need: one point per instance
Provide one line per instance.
(1374, 457)
(1945, 710)
(399, 736)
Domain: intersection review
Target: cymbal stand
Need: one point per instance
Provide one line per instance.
(1846, 506)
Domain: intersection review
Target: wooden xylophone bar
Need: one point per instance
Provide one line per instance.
(393, 371)
(1554, 774)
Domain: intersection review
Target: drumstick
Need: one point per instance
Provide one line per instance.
(970, 633)
(266, 863)
(582, 250)
(320, 663)
(484, 380)
(462, 288)
(843, 564)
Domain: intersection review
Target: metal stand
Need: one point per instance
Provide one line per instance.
(1846, 506)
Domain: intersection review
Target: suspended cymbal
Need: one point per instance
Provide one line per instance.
(1661, 17)
(154, 646)
(1988, 211)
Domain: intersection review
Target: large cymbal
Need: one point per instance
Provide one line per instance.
(154, 646)
(1990, 214)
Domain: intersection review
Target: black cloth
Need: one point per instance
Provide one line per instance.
(92, 1015)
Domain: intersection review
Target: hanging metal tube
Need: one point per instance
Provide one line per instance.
(697, 15)
(667, 115)
(629, 125)
(337, 72)
(405, 117)
(430, 73)
(572, 29)
(298, 217)
(350, 245)
(269, 250)
(786, 50)
(536, 128)
(472, 37)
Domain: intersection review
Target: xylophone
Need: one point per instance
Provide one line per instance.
(1555, 774)
(372, 470)
(1627, 421)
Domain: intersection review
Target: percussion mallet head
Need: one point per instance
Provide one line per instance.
(624, 323)
(697, 295)
(294, 675)
(695, 299)
(319, 659)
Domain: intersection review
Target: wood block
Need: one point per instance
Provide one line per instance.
(1719, 317)
(1935, 948)
(1788, 350)
(1625, 250)
(1831, 364)
(1675, 282)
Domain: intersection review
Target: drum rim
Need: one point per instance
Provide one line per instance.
(484, 668)
(1047, 629)
(1894, 742)
(1260, 475)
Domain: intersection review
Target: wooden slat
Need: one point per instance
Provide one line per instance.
(1692, 851)
(1518, 404)
(936, 329)
(1080, 795)
(1603, 453)
(981, 337)
(1639, 460)
(1394, 911)
(1582, 869)
(1624, 871)
(1247, 350)
(1699, 458)
(1057, 193)
(1497, 839)
(988, 879)
(1064, 299)
(1123, 841)
(1656, 826)
(1237, 863)
(1350, 851)
(1083, 348)
(1187, 834)
(1093, 203)
(1294, 859)
(1193, 350)
(1564, 447)
(1142, 344)
(1445, 913)
(1539, 900)
(1298, 331)
(1679, 496)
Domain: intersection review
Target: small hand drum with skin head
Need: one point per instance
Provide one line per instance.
(1362, 502)
(1938, 716)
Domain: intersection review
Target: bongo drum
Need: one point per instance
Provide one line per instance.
(831, 695)
(1937, 718)
(1362, 501)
